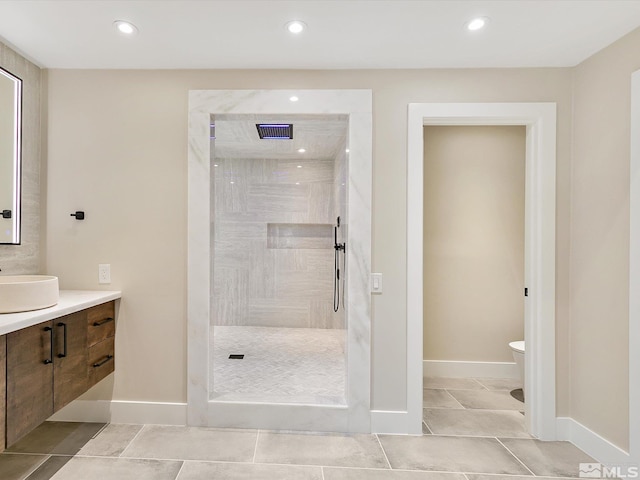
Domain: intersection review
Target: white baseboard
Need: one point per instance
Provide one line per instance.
(459, 369)
(590, 442)
(118, 411)
(391, 422)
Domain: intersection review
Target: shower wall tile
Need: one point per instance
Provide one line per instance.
(272, 243)
(272, 313)
(304, 285)
(320, 203)
(271, 200)
(321, 311)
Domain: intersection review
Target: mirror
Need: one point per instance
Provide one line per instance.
(10, 155)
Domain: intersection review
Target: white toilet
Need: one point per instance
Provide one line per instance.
(518, 356)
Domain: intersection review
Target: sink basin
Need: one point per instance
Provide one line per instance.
(22, 293)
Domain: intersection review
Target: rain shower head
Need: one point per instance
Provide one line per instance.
(275, 131)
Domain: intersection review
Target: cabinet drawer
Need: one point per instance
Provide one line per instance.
(100, 323)
(101, 360)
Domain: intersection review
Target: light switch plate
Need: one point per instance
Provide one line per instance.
(376, 283)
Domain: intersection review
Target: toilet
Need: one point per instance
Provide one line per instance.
(518, 355)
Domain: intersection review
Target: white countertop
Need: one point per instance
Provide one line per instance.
(71, 301)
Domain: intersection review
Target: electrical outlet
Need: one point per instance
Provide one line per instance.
(104, 273)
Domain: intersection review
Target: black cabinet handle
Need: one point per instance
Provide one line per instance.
(50, 359)
(99, 364)
(102, 322)
(64, 332)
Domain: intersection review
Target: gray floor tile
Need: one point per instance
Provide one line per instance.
(192, 443)
(17, 467)
(83, 468)
(500, 383)
(49, 468)
(553, 459)
(62, 438)
(452, 383)
(320, 449)
(482, 423)
(474, 476)
(440, 398)
(247, 471)
(368, 474)
(492, 400)
(111, 441)
(452, 454)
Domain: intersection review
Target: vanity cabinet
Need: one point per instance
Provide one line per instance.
(54, 362)
(29, 379)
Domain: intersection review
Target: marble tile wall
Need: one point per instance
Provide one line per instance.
(272, 235)
(25, 258)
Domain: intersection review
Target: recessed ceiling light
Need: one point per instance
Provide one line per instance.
(297, 183)
(477, 23)
(294, 99)
(299, 166)
(301, 150)
(296, 26)
(215, 164)
(232, 183)
(125, 27)
(347, 150)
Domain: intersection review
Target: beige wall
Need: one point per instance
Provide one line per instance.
(117, 148)
(473, 242)
(600, 240)
(25, 258)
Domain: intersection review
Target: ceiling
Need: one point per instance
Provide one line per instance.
(341, 34)
(320, 135)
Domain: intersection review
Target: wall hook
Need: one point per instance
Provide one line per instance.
(79, 215)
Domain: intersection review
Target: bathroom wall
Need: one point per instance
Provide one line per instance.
(599, 296)
(473, 242)
(117, 146)
(25, 258)
(273, 255)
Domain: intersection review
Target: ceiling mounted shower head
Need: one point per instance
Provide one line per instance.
(275, 131)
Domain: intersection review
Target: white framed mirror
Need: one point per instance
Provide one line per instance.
(10, 157)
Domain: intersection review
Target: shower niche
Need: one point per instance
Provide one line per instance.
(279, 259)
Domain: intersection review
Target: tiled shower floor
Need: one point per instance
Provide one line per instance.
(280, 365)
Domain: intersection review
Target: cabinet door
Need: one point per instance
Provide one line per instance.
(3, 387)
(29, 379)
(70, 378)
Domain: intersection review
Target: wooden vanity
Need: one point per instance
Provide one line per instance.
(46, 365)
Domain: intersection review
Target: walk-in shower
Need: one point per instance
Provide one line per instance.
(277, 184)
(266, 347)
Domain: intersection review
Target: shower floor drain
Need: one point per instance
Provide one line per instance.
(236, 356)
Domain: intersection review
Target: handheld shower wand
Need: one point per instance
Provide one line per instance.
(338, 247)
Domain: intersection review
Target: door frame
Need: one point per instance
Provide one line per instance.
(634, 272)
(355, 416)
(540, 248)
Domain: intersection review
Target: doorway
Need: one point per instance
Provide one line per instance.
(204, 406)
(539, 311)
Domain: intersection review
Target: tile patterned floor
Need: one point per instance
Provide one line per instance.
(86, 451)
(480, 407)
(290, 365)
